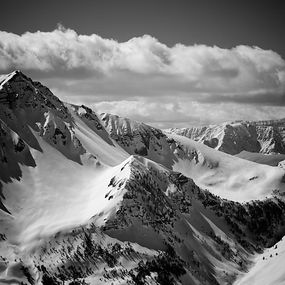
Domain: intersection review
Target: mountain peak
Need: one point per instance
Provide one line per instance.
(5, 78)
(17, 90)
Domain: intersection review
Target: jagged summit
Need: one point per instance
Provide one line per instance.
(4, 78)
(16, 75)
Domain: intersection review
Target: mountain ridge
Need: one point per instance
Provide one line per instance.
(267, 137)
(100, 199)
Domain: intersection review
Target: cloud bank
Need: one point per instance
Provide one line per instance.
(146, 75)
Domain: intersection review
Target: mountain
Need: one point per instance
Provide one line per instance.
(266, 137)
(223, 174)
(100, 199)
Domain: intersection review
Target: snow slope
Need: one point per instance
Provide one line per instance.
(268, 267)
(227, 176)
(57, 188)
(268, 159)
(52, 163)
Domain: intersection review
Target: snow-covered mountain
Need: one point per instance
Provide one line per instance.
(267, 137)
(223, 174)
(99, 199)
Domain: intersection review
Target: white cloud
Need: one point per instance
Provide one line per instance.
(183, 113)
(179, 83)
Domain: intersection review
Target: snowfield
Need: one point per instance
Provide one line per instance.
(228, 176)
(268, 267)
(57, 188)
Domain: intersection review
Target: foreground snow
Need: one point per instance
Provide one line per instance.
(268, 268)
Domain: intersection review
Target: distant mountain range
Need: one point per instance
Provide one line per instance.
(89, 198)
(267, 137)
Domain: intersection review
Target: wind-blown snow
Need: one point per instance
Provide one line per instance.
(227, 176)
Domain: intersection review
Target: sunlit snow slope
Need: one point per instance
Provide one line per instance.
(67, 163)
(228, 176)
(268, 267)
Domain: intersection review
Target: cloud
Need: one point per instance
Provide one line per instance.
(145, 75)
(184, 113)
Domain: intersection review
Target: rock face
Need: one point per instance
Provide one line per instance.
(140, 139)
(99, 199)
(267, 137)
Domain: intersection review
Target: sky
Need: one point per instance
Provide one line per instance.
(166, 63)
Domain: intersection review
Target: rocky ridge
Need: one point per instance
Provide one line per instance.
(267, 137)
